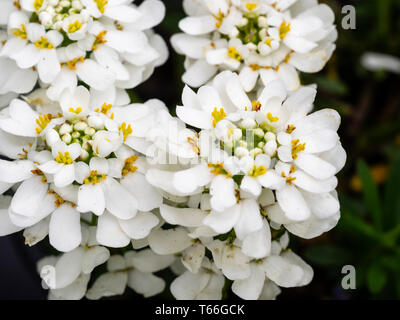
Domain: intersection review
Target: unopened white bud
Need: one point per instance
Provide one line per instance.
(90, 131)
(243, 22)
(53, 2)
(65, 128)
(261, 145)
(80, 126)
(243, 144)
(237, 134)
(95, 122)
(75, 134)
(262, 22)
(65, 3)
(270, 136)
(241, 152)
(259, 132)
(251, 46)
(84, 154)
(270, 148)
(248, 123)
(67, 138)
(76, 4)
(255, 152)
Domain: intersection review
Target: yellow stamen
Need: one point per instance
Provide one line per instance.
(42, 121)
(290, 128)
(218, 116)
(59, 200)
(297, 147)
(234, 54)
(255, 105)
(268, 42)
(251, 6)
(73, 27)
(194, 145)
(99, 40)
(17, 5)
(101, 5)
(43, 43)
(104, 108)
(284, 29)
(128, 166)
(76, 111)
(257, 171)
(37, 4)
(72, 63)
(271, 118)
(126, 130)
(94, 178)
(219, 17)
(218, 168)
(64, 158)
(21, 32)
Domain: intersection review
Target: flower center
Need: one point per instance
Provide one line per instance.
(94, 178)
(128, 165)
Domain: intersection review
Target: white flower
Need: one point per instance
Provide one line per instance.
(68, 276)
(377, 61)
(135, 270)
(266, 40)
(101, 43)
(206, 284)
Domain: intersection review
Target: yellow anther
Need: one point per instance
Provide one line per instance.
(218, 168)
(271, 118)
(125, 129)
(268, 42)
(23, 155)
(284, 29)
(21, 32)
(76, 111)
(251, 6)
(234, 54)
(42, 121)
(194, 145)
(40, 173)
(287, 58)
(64, 158)
(219, 17)
(74, 27)
(289, 179)
(297, 147)
(128, 166)
(94, 178)
(218, 116)
(43, 43)
(290, 128)
(72, 63)
(257, 171)
(101, 4)
(104, 108)
(255, 105)
(59, 200)
(37, 4)
(17, 5)
(118, 25)
(99, 39)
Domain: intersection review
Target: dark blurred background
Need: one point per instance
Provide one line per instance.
(368, 234)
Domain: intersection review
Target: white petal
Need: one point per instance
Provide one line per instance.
(108, 285)
(292, 203)
(186, 217)
(250, 288)
(145, 284)
(109, 232)
(169, 241)
(65, 228)
(91, 198)
(139, 226)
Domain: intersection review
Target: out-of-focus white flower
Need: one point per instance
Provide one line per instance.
(378, 61)
(257, 39)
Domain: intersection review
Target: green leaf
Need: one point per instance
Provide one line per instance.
(391, 196)
(327, 255)
(370, 193)
(376, 278)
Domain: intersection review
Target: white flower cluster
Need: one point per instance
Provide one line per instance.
(126, 184)
(266, 39)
